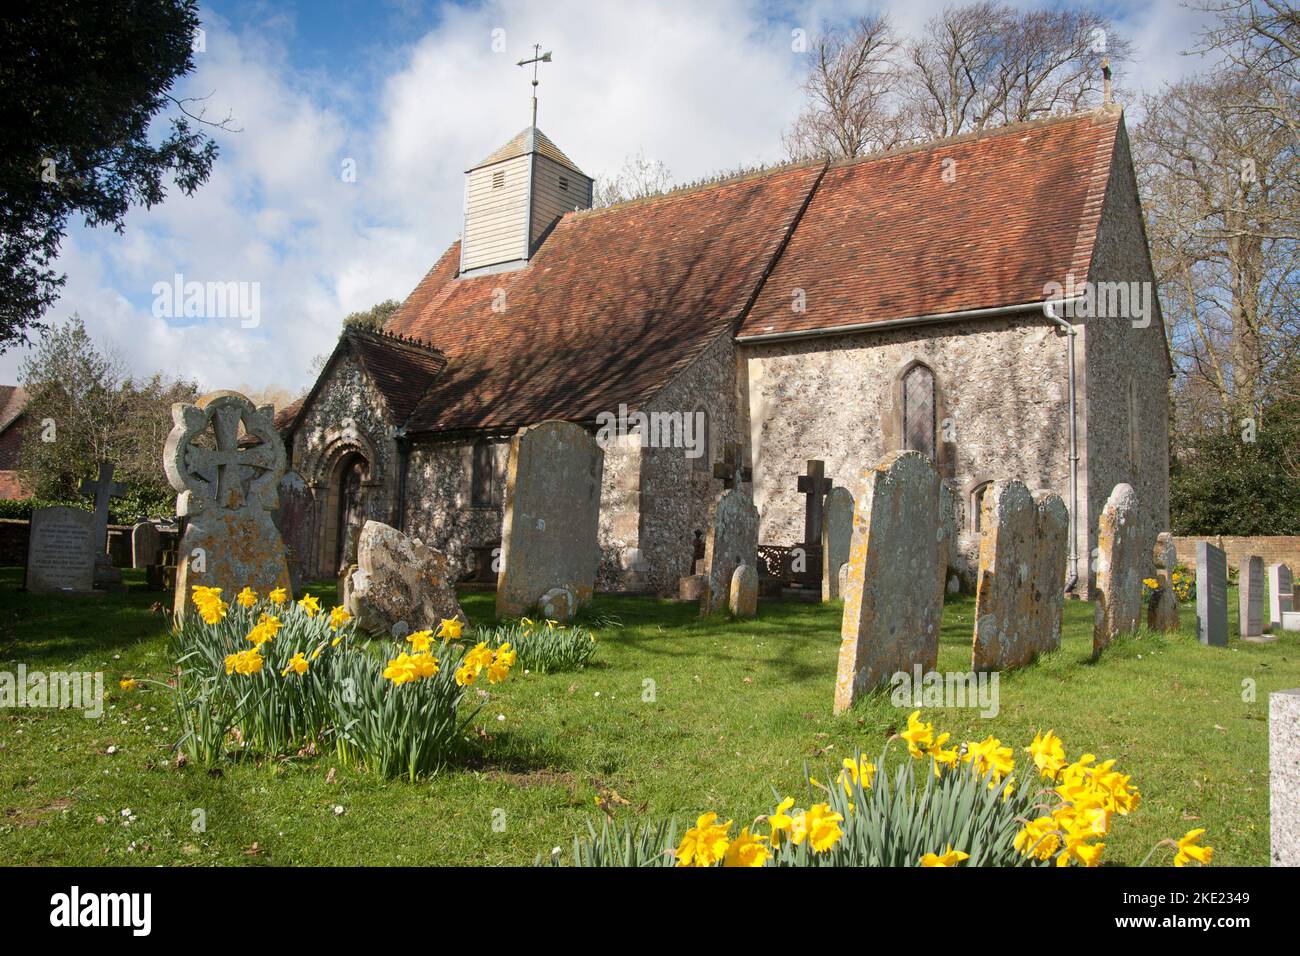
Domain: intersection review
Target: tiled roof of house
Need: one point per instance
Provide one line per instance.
(612, 306)
(890, 237)
(13, 399)
(617, 301)
(287, 417)
(401, 366)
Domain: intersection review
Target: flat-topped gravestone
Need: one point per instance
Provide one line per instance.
(1162, 610)
(1211, 595)
(226, 486)
(731, 542)
(1250, 600)
(893, 595)
(146, 545)
(1281, 593)
(1020, 588)
(61, 551)
(1284, 777)
(1123, 553)
(837, 536)
(549, 533)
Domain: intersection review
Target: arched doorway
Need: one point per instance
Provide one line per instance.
(348, 498)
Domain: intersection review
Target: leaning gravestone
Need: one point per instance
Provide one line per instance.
(1123, 551)
(294, 519)
(400, 585)
(1250, 600)
(1281, 594)
(549, 533)
(146, 545)
(731, 542)
(893, 595)
(227, 490)
(1020, 589)
(837, 536)
(1211, 595)
(61, 551)
(1162, 611)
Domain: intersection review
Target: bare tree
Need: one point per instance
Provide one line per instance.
(849, 109)
(638, 178)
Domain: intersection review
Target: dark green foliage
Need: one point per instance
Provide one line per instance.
(1223, 485)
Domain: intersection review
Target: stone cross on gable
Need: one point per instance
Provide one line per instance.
(730, 470)
(815, 485)
(102, 490)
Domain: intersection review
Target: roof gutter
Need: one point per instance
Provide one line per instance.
(894, 323)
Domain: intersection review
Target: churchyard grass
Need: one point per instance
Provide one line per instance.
(738, 708)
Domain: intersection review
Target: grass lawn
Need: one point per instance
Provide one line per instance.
(738, 708)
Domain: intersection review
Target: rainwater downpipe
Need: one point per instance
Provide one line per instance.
(1072, 579)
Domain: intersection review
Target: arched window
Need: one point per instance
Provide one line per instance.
(919, 411)
(484, 490)
(977, 506)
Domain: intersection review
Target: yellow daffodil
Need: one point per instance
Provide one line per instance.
(705, 843)
(1151, 583)
(855, 772)
(208, 600)
(246, 597)
(244, 662)
(266, 628)
(449, 629)
(1190, 850)
(128, 684)
(465, 675)
(420, 640)
(338, 617)
(310, 604)
(401, 669)
(747, 850)
(989, 755)
(1039, 839)
(426, 665)
(948, 857)
(1048, 753)
(278, 596)
(298, 664)
(943, 757)
(478, 658)
(919, 735)
(822, 827)
(780, 821)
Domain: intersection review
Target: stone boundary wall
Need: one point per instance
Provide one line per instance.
(15, 533)
(1274, 549)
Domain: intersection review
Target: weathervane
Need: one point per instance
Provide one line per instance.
(538, 57)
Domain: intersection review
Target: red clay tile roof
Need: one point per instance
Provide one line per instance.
(613, 305)
(13, 399)
(401, 368)
(287, 417)
(887, 238)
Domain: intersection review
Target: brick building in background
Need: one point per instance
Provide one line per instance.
(13, 404)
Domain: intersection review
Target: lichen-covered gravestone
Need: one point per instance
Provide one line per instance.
(294, 518)
(549, 534)
(744, 591)
(1162, 611)
(1284, 776)
(61, 551)
(1211, 595)
(400, 585)
(837, 537)
(731, 542)
(1123, 551)
(227, 491)
(893, 595)
(146, 545)
(1281, 593)
(1250, 600)
(1020, 587)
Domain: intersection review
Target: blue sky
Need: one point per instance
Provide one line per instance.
(411, 93)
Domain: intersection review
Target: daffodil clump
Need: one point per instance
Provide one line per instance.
(544, 647)
(945, 804)
(1184, 584)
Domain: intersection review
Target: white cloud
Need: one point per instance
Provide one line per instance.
(702, 86)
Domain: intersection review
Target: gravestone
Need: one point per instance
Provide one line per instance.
(226, 491)
(1123, 552)
(731, 471)
(551, 516)
(1211, 595)
(294, 518)
(146, 545)
(1284, 777)
(1020, 587)
(61, 551)
(400, 585)
(837, 536)
(107, 577)
(731, 542)
(814, 485)
(893, 595)
(1162, 611)
(744, 591)
(1250, 601)
(1281, 593)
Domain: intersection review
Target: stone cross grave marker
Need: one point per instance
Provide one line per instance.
(61, 551)
(815, 485)
(102, 490)
(837, 537)
(893, 595)
(731, 471)
(1211, 595)
(1123, 551)
(732, 542)
(1250, 601)
(1281, 593)
(227, 490)
(550, 528)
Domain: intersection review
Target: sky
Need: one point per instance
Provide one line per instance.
(341, 180)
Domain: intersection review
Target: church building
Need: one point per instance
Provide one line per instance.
(987, 300)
